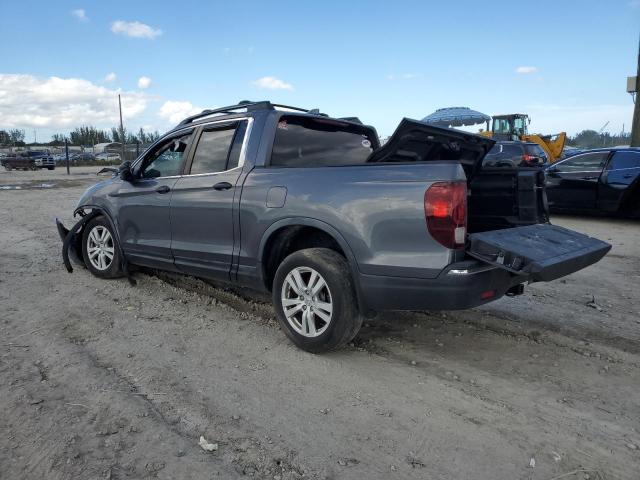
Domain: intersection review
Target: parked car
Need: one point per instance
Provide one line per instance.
(605, 180)
(515, 154)
(18, 161)
(42, 158)
(82, 157)
(335, 226)
(108, 157)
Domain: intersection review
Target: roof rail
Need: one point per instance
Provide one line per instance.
(248, 106)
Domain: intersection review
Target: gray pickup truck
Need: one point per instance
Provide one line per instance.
(335, 226)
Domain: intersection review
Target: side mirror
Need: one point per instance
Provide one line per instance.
(124, 171)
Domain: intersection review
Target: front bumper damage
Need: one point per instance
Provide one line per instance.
(72, 240)
(72, 243)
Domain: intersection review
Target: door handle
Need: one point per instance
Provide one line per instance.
(589, 178)
(222, 186)
(163, 189)
(627, 175)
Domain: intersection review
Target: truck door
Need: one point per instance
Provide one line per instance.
(203, 229)
(143, 203)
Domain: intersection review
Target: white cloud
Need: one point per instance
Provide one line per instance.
(271, 83)
(525, 70)
(144, 82)
(27, 101)
(80, 14)
(135, 29)
(175, 111)
(110, 77)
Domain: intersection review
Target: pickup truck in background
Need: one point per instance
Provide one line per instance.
(336, 227)
(18, 161)
(41, 158)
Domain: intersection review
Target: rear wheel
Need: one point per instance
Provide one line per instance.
(315, 301)
(100, 249)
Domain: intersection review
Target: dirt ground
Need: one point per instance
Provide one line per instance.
(99, 379)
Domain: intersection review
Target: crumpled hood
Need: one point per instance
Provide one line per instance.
(414, 141)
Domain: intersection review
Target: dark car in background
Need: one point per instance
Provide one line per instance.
(18, 161)
(515, 154)
(82, 157)
(605, 180)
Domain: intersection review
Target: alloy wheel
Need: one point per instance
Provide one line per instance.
(100, 248)
(306, 302)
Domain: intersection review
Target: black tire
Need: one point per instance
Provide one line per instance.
(51, 168)
(346, 319)
(113, 270)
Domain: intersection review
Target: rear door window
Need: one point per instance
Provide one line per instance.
(624, 160)
(311, 142)
(212, 151)
(218, 149)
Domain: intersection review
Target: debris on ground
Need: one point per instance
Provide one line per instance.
(593, 304)
(209, 447)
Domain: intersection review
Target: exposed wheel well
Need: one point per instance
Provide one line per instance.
(285, 241)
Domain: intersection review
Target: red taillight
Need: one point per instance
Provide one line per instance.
(526, 158)
(488, 294)
(445, 208)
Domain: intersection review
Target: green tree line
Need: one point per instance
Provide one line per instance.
(88, 135)
(592, 139)
(85, 135)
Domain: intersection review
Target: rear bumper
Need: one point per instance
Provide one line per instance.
(460, 286)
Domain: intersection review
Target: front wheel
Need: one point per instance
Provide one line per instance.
(315, 300)
(100, 249)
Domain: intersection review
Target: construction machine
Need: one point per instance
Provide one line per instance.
(514, 127)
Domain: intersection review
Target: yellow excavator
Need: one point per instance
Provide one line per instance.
(514, 127)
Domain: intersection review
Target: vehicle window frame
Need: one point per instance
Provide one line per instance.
(139, 163)
(571, 159)
(221, 124)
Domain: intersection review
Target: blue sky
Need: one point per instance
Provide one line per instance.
(380, 61)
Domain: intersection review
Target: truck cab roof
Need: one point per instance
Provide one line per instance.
(246, 108)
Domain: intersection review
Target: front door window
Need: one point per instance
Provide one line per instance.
(166, 160)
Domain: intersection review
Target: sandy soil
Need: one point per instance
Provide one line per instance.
(99, 379)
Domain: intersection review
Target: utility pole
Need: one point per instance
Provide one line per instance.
(66, 154)
(635, 126)
(122, 139)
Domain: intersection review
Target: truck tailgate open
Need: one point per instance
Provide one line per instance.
(541, 252)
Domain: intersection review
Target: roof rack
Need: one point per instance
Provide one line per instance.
(248, 106)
